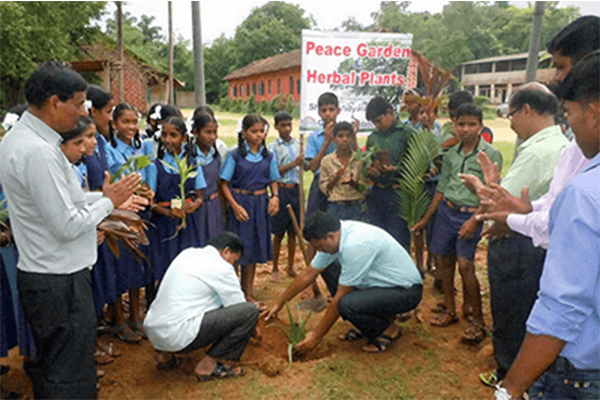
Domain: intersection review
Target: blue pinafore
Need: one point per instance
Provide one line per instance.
(210, 214)
(256, 232)
(164, 247)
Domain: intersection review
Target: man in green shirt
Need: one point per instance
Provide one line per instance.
(456, 231)
(388, 142)
(514, 263)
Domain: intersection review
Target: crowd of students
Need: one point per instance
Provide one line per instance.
(246, 190)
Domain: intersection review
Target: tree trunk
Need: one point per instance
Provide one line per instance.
(199, 85)
(171, 86)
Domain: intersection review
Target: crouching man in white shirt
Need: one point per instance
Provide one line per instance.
(199, 303)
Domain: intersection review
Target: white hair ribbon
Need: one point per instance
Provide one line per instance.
(10, 120)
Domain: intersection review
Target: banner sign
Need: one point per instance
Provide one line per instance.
(355, 67)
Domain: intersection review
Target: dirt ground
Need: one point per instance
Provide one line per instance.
(426, 363)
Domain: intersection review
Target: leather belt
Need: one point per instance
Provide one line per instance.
(287, 185)
(384, 187)
(454, 207)
(250, 192)
(213, 196)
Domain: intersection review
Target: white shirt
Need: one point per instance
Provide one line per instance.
(196, 282)
(53, 225)
(535, 224)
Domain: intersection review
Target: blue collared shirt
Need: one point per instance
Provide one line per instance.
(315, 142)
(568, 304)
(229, 167)
(152, 174)
(370, 257)
(117, 156)
(285, 153)
(204, 159)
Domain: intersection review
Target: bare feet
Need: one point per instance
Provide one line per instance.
(275, 276)
(291, 271)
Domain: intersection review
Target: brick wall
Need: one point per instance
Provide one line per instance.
(279, 82)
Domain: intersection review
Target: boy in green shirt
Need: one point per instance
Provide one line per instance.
(456, 231)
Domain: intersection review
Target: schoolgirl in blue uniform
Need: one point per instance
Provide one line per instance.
(131, 275)
(204, 128)
(248, 171)
(154, 122)
(166, 241)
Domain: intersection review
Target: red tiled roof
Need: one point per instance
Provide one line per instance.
(275, 63)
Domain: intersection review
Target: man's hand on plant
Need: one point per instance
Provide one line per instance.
(271, 312)
(309, 343)
(497, 199)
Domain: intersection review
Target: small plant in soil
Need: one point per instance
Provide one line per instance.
(296, 332)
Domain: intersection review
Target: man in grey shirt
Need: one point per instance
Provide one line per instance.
(54, 224)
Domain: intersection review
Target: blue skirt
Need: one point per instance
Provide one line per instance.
(104, 279)
(210, 220)
(256, 232)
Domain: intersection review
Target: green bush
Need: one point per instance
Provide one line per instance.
(238, 106)
(289, 106)
(274, 105)
(225, 104)
(252, 105)
(264, 107)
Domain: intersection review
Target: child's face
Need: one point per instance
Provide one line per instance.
(385, 121)
(90, 140)
(74, 148)
(172, 139)
(284, 128)
(468, 128)
(255, 135)
(127, 126)
(207, 137)
(102, 118)
(412, 107)
(328, 113)
(343, 139)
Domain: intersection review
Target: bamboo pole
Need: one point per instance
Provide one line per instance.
(171, 85)
(301, 184)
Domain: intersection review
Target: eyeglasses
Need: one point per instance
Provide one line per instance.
(513, 112)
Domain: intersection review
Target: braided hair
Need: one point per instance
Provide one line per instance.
(117, 112)
(189, 147)
(247, 123)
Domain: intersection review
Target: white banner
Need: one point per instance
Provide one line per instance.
(355, 67)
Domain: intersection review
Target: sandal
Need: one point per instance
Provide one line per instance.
(351, 336)
(380, 343)
(109, 349)
(128, 337)
(222, 372)
(489, 379)
(138, 327)
(171, 364)
(444, 319)
(101, 358)
(473, 334)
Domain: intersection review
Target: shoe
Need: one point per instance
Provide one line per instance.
(171, 364)
(489, 379)
(222, 372)
(138, 327)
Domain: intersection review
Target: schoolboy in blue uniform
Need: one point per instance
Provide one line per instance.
(457, 232)
(319, 144)
(286, 150)
(390, 141)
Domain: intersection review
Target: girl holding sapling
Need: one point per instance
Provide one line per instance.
(204, 128)
(131, 275)
(248, 171)
(176, 219)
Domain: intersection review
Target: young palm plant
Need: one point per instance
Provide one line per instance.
(296, 332)
(411, 195)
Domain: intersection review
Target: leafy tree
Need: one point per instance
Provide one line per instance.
(33, 32)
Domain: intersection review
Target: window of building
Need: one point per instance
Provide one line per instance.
(261, 88)
(235, 91)
(254, 88)
(247, 89)
(269, 86)
(291, 85)
(278, 86)
(298, 86)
